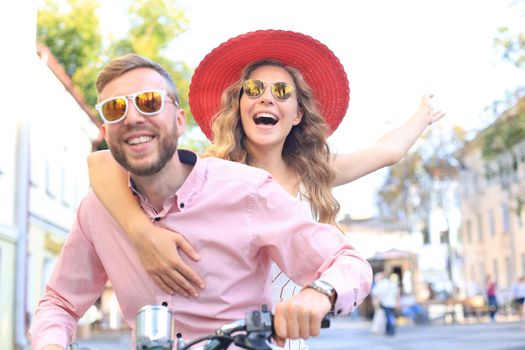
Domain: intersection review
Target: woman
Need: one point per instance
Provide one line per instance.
(283, 93)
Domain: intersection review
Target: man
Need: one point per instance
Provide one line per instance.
(235, 216)
(386, 291)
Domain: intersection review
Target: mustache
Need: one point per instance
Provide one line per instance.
(128, 129)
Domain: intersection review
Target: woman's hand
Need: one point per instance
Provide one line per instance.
(426, 110)
(158, 248)
(300, 316)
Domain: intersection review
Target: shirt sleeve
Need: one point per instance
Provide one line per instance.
(77, 281)
(306, 250)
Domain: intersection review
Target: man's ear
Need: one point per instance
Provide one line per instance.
(180, 120)
(103, 131)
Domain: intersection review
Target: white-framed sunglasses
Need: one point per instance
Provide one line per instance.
(147, 102)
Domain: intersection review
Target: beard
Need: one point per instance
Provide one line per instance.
(167, 147)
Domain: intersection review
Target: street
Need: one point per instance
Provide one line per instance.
(350, 334)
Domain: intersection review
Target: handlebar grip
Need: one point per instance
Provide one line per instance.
(325, 322)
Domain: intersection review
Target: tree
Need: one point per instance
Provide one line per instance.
(153, 26)
(509, 127)
(511, 45)
(77, 44)
(72, 33)
(422, 183)
(413, 184)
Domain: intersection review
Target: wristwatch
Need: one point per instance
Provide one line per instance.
(326, 289)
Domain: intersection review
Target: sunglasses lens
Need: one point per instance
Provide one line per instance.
(282, 90)
(114, 109)
(149, 102)
(253, 88)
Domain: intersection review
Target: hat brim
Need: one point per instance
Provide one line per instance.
(223, 66)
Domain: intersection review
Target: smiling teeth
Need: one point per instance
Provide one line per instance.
(266, 115)
(140, 139)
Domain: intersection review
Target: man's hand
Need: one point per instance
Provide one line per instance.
(158, 251)
(301, 315)
(52, 347)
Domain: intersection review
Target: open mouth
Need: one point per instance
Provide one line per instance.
(265, 119)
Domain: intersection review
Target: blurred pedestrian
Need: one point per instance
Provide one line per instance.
(492, 302)
(518, 295)
(387, 291)
(411, 309)
(378, 320)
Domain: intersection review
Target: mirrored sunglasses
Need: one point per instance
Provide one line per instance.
(255, 88)
(147, 102)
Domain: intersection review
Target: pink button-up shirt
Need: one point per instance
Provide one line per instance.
(237, 218)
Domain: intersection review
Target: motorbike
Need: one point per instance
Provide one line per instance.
(154, 330)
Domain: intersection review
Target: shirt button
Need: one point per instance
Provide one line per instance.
(157, 218)
(182, 205)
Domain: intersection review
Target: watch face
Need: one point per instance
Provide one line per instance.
(323, 285)
(324, 288)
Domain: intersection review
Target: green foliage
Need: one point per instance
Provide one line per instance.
(74, 39)
(512, 46)
(506, 132)
(153, 26)
(410, 183)
(72, 33)
(75, 43)
(509, 128)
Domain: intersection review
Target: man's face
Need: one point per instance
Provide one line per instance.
(142, 144)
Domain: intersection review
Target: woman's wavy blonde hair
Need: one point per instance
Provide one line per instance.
(305, 149)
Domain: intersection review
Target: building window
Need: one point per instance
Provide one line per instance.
(443, 237)
(482, 274)
(495, 271)
(480, 227)
(469, 231)
(426, 235)
(523, 264)
(53, 178)
(492, 223)
(48, 182)
(509, 269)
(506, 218)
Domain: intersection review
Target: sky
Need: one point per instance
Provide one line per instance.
(392, 51)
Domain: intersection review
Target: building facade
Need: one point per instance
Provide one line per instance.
(18, 37)
(493, 231)
(60, 140)
(8, 229)
(46, 135)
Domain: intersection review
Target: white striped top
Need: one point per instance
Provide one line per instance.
(283, 287)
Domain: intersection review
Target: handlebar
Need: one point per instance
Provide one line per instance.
(256, 331)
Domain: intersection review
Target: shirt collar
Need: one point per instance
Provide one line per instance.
(192, 185)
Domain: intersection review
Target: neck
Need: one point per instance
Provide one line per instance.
(160, 186)
(272, 161)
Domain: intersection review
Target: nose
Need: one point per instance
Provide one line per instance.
(133, 116)
(267, 96)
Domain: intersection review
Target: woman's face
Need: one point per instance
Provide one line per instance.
(267, 120)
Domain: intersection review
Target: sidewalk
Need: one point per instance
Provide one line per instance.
(347, 334)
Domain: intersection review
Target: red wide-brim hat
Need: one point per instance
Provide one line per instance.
(223, 66)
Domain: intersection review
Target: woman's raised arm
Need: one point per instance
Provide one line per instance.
(389, 149)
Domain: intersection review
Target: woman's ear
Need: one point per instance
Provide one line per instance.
(298, 117)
